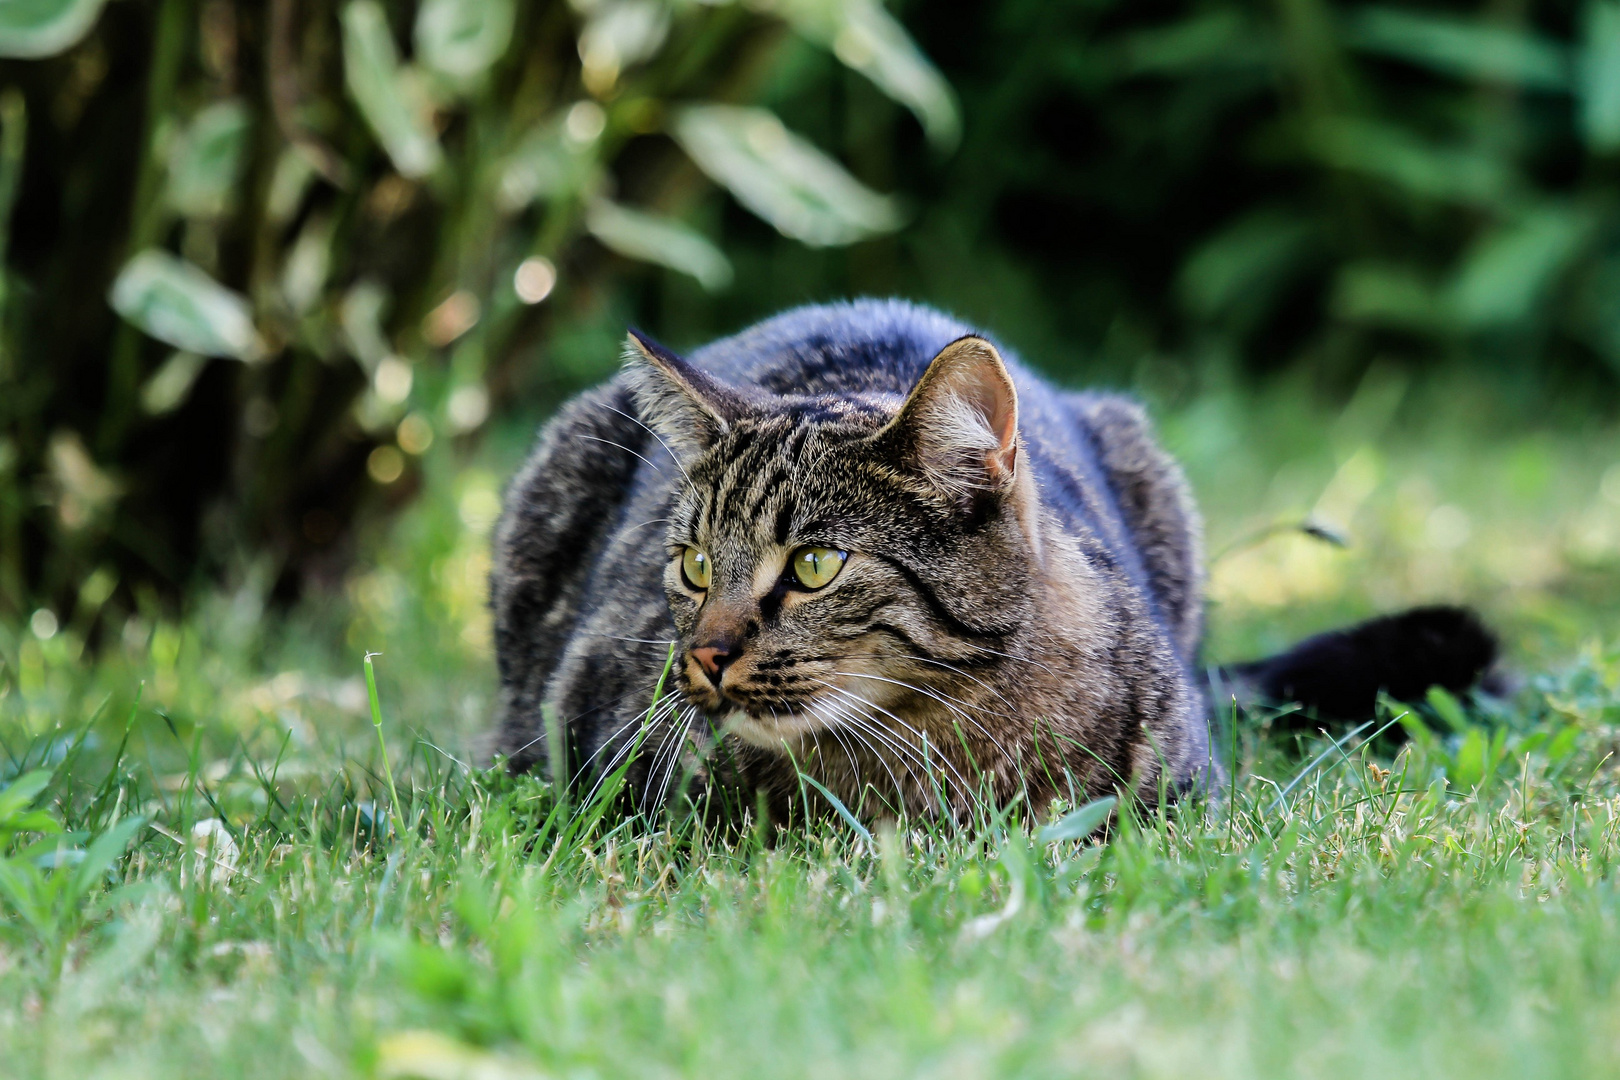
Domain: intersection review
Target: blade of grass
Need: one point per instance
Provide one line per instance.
(382, 744)
(843, 811)
(1333, 746)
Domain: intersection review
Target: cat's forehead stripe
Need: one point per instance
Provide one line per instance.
(767, 485)
(734, 484)
(746, 453)
(759, 474)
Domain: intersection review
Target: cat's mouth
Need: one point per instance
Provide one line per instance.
(767, 714)
(760, 717)
(764, 719)
(776, 727)
(795, 721)
(759, 696)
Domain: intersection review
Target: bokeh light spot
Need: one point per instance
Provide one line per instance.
(534, 280)
(386, 464)
(415, 434)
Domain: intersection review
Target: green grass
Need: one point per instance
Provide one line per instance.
(1444, 908)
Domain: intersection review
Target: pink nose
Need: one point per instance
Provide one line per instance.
(712, 659)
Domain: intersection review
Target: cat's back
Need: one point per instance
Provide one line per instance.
(863, 347)
(875, 346)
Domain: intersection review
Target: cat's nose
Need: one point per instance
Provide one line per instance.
(713, 659)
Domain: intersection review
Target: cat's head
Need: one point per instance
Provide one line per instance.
(829, 555)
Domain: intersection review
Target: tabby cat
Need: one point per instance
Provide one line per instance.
(877, 552)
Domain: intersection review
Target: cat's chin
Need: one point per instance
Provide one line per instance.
(770, 732)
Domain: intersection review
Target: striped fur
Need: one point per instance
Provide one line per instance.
(1019, 611)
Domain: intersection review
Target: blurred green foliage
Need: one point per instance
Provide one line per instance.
(270, 266)
(1256, 186)
(265, 258)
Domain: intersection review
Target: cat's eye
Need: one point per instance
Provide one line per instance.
(695, 567)
(816, 566)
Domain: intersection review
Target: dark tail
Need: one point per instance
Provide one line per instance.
(1338, 675)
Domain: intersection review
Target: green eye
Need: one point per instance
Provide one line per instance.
(816, 566)
(695, 565)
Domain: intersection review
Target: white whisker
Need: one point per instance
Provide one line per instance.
(945, 761)
(857, 733)
(945, 700)
(1008, 655)
(663, 744)
(639, 422)
(620, 446)
(937, 663)
(682, 733)
(644, 524)
(904, 754)
(666, 642)
(578, 716)
(854, 769)
(648, 719)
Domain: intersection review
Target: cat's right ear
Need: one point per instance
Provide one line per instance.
(687, 409)
(959, 426)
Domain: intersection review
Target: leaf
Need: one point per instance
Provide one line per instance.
(21, 886)
(49, 855)
(1015, 863)
(1387, 294)
(1468, 770)
(176, 302)
(462, 39)
(171, 383)
(843, 811)
(20, 794)
(378, 85)
(866, 38)
(548, 163)
(781, 177)
(206, 158)
(1241, 265)
(1499, 751)
(361, 318)
(30, 29)
(1598, 76)
(1563, 743)
(1504, 278)
(1411, 722)
(1448, 708)
(618, 34)
(441, 976)
(1215, 41)
(308, 263)
(1469, 48)
(56, 847)
(103, 851)
(40, 821)
(660, 240)
(134, 937)
(1079, 824)
(1325, 532)
(1412, 164)
(290, 180)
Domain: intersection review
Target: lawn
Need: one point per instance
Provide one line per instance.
(236, 894)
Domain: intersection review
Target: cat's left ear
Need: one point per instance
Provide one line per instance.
(959, 427)
(687, 408)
